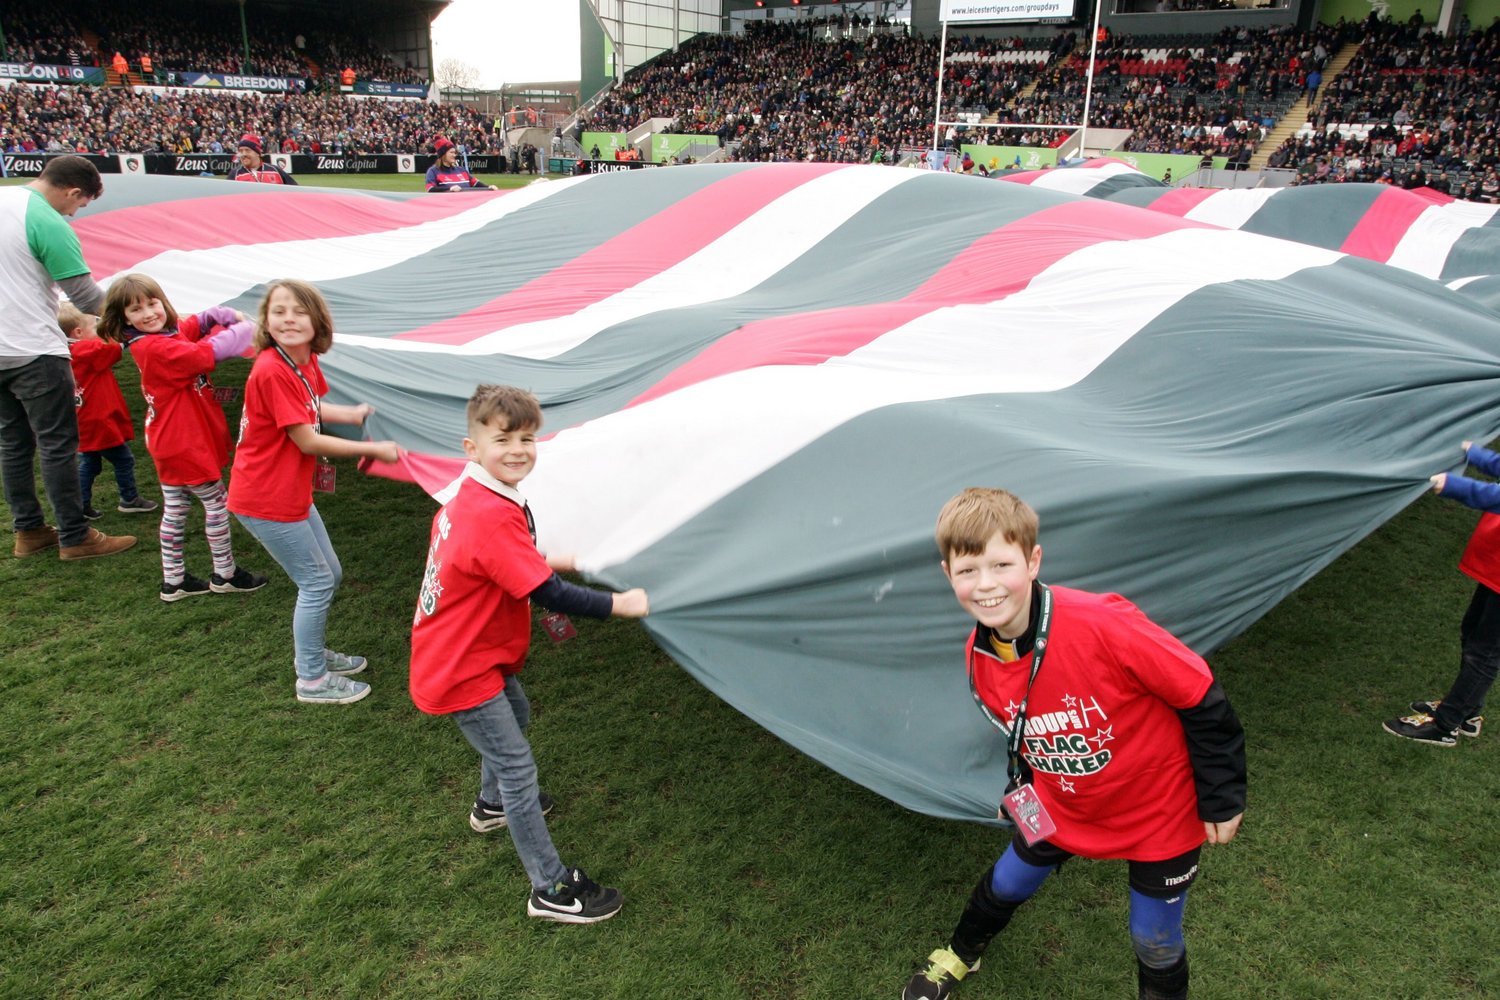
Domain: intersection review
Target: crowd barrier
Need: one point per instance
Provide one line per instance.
(218, 164)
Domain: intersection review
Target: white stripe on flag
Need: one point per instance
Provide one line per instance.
(196, 279)
(731, 265)
(728, 430)
(1230, 209)
(1081, 182)
(1428, 241)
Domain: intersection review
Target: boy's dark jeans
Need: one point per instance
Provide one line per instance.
(1478, 663)
(38, 414)
(123, 462)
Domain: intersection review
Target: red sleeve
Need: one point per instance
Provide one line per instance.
(173, 359)
(1155, 658)
(191, 328)
(510, 558)
(94, 355)
(286, 400)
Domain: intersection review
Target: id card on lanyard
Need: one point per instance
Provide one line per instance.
(558, 626)
(324, 474)
(1020, 802)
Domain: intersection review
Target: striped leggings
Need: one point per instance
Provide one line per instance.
(174, 513)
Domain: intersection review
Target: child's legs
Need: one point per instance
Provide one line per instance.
(1156, 928)
(492, 729)
(122, 460)
(1021, 870)
(216, 525)
(1158, 897)
(1014, 879)
(89, 464)
(302, 550)
(1478, 662)
(176, 501)
(520, 707)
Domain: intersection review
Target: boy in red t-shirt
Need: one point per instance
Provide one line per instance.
(472, 631)
(104, 424)
(1440, 721)
(1121, 743)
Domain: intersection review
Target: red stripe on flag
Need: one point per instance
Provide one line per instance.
(1023, 177)
(1181, 201)
(993, 267)
(115, 241)
(430, 472)
(1384, 224)
(647, 248)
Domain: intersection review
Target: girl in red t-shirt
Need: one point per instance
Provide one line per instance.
(186, 434)
(280, 459)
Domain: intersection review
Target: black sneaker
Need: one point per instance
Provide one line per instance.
(91, 513)
(140, 505)
(1469, 727)
(486, 817)
(242, 582)
(577, 899)
(190, 586)
(1421, 728)
(939, 977)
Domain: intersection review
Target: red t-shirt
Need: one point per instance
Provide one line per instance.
(473, 621)
(1105, 744)
(186, 433)
(103, 418)
(272, 479)
(1481, 558)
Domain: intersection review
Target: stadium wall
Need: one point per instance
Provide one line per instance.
(595, 54)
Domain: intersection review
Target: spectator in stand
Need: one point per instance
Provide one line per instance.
(254, 168)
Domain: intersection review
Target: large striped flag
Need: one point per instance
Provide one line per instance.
(762, 381)
(1422, 231)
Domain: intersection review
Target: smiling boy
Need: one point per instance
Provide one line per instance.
(1121, 743)
(473, 629)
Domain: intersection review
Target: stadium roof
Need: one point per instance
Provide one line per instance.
(428, 8)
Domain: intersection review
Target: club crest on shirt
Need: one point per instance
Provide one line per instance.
(432, 587)
(1069, 739)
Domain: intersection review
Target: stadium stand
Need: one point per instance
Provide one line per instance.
(1412, 107)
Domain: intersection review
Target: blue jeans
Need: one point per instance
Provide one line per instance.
(303, 550)
(38, 414)
(1479, 660)
(120, 459)
(507, 777)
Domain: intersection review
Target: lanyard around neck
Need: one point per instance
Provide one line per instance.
(1016, 731)
(317, 404)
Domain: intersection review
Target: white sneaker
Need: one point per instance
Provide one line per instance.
(331, 689)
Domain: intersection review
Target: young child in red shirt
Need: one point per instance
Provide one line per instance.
(104, 426)
(186, 434)
(1440, 721)
(281, 452)
(1121, 743)
(473, 629)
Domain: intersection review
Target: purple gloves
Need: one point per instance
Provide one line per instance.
(232, 341)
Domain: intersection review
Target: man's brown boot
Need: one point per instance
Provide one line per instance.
(96, 543)
(34, 540)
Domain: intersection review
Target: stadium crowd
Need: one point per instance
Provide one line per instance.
(184, 37)
(111, 120)
(793, 91)
(1414, 109)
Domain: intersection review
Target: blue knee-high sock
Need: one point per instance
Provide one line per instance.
(992, 903)
(1160, 953)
